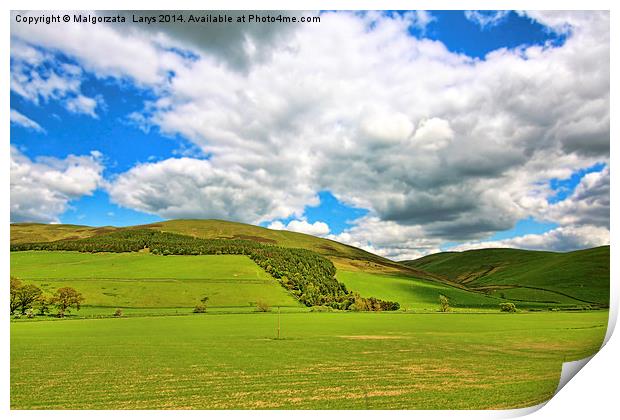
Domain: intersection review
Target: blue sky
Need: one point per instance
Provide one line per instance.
(126, 142)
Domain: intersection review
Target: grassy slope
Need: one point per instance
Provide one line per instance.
(343, 256)
(139, 280)
(352, 360)
(39, 232)
(581, 274)
(422, 295)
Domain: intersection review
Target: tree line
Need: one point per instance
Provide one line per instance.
(28, 300)
(309, 276)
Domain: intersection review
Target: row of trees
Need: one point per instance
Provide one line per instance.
(28, 300)
(310, 277)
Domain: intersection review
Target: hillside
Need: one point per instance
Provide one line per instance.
(343, 256)
(519, 274)
(40, 232)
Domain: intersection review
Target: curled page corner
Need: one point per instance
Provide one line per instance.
(569, 370)
(520, 412)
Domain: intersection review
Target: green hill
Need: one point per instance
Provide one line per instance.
(473, 279)
(523, 275)
(343, 256)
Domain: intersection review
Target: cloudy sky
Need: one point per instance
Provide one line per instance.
(403, 133)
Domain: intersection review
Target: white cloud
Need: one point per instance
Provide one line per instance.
(316, 229)
(195, 188)
(588, 204)
(39, 77)
(433, 134)
(22, 120)
(81, 104)
(568, 238)
(388, 239)
(435, 144)
(41, 190)
(486, 18)
(102, 49)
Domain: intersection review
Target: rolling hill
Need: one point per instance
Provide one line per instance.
(343, 256)
(473, 279)
(521, 275)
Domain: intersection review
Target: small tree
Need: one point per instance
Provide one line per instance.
(507, 307)
(444, 303)
(27, 295)
(66, 298)
(16, 284)
(118, 313)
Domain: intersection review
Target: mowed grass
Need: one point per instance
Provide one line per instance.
(324, 361)
(142, 280)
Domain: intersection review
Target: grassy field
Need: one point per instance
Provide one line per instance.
(582, 275)
(325, 360)
(149, 283)
(159, 355)
(422, 295)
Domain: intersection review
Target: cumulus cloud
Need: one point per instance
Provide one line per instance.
(316, 229)
(41, 190)
(589, 204)
(388, 239)
(436, 145)
(195, 188)
(20, 119)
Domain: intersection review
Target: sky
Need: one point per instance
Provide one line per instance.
(401, 132)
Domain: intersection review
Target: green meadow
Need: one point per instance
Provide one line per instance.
(141, 282)
(322, 361)
(160, 355)
(421, 295)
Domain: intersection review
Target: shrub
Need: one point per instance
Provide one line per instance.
(262, 306)
(30, 313)
(321, 308)
(444, 303)
(507, 307)
(200, 309)
(118, 313)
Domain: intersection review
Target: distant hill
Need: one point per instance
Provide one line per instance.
(343, 256)
(519, 274)
(478, 278)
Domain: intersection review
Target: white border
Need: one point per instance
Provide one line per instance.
(592, 393)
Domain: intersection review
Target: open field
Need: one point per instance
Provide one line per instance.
(416, 294)
(159, 355)
(147, 282)
(325, 360)
(582, 275)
